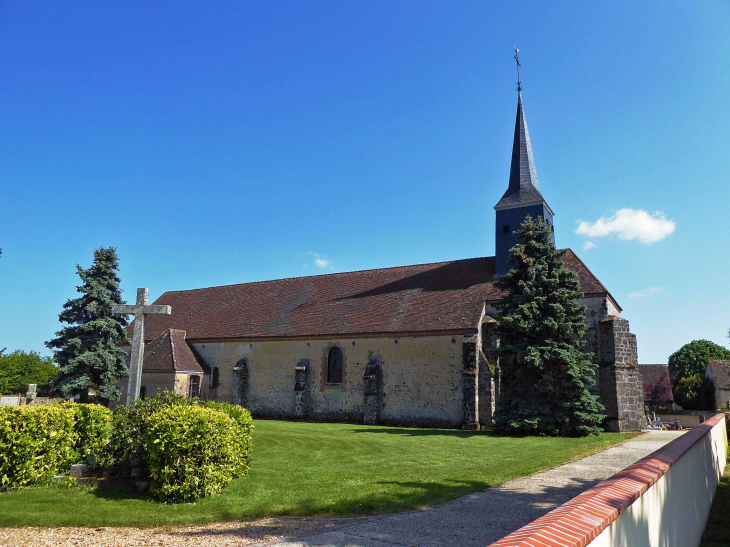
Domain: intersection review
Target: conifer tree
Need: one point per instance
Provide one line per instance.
(87, 350)
(545, 374)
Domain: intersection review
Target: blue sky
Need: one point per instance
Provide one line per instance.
(224, 142)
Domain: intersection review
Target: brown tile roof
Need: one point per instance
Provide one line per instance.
(721, 371)
(443, 296)
(170, 352)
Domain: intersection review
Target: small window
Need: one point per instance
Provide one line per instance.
(194, 386)
(143, 393)
(505, 229)
(215, 378)
(334, 366)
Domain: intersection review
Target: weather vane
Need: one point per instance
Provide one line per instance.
(517, 60)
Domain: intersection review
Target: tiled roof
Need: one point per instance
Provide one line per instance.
(523, 186)
(443, 296)
(721, 371)
(170, 352)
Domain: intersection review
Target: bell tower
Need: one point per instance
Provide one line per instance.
(523, 197)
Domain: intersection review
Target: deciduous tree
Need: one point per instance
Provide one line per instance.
(18, 369)
(691, 359)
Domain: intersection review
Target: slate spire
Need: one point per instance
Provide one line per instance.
(523, 186)
(522, 198)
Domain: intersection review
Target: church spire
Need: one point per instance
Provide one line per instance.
(523, 197)
(523, 184)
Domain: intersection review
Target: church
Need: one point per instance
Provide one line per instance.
(406, 346)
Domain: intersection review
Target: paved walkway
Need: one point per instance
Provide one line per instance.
(479, 519)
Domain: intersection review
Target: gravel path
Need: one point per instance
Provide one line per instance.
(224, 534)
(475, 520)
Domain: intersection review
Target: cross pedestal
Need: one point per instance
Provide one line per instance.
(135, 365)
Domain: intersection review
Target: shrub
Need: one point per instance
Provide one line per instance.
(129, 426)
(694, 393)
(35, 443)
(244, 437)
(192, 452)
(92, 427)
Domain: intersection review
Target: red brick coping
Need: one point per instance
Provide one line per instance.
(578, 521)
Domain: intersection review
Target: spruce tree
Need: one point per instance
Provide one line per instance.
(87, 350)
(546, 375)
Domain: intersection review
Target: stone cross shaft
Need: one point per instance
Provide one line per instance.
(140, 310)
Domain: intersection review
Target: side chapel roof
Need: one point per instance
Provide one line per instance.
(424, 298)
(169, 351)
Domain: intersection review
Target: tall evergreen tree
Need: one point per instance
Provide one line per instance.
(546, 375)
(87, 350)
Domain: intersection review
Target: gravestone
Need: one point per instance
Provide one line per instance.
(31, 394)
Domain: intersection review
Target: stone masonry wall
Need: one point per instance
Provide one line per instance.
(421, 378)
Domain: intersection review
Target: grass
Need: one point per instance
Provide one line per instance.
(717, 529)
(320, 469)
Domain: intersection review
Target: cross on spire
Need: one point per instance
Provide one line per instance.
(517, 60)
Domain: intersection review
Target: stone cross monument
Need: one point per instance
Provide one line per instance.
(139, 311)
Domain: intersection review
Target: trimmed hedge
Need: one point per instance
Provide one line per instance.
(35, 443)
(129, 426)
(93, 427)
(244, 437)
(193, 452)
(189, 448)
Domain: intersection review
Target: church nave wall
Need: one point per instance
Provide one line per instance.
(420, 382)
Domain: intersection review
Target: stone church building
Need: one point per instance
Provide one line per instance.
(400, 346)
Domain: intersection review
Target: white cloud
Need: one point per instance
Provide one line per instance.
(588, 245)
(645, 292)
(321, 261)
(630, 224)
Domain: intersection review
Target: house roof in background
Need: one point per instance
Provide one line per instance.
(721, 372)
(437, 297)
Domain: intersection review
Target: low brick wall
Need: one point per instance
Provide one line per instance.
(663, 499)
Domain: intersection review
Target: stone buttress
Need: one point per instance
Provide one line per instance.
(619, 379)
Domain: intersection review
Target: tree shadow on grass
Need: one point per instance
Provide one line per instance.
(121, 492)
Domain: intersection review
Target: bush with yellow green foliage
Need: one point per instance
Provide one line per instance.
(36, 442)
(193, 452)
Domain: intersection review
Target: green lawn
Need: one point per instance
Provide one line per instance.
(320, 469)
(717, 530)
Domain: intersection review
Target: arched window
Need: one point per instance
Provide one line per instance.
(334, 366)
(215, 378)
